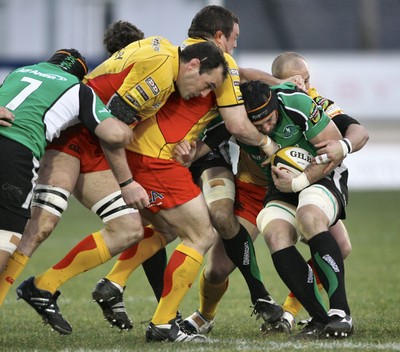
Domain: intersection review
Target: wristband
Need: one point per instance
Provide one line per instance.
(265, 143)
(348, 144)
(300, 182)
(126, 183)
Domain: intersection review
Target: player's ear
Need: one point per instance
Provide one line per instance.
(193, 64)
(218, 36)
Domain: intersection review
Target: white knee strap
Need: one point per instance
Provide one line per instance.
(273, 211)
(112, 207)
(218, 188)
(9, 241)
(53, 199)
(322, 198)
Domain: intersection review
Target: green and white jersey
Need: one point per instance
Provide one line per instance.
(46, 100)
(300, 118)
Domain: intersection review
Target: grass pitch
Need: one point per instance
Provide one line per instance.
(373, 286)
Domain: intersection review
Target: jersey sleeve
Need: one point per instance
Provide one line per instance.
(329, 106)
(148, 84)
(91, 109)
(229, 94)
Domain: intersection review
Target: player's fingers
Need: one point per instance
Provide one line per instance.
(322, 159)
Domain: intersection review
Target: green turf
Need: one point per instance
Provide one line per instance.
(373, 276)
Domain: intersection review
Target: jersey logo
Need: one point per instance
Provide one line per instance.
(315, 115)
(156, 43)
(234, 72)
(142, 92)
(119, 55)
(132, 100)
(289, 131)
(152, 85)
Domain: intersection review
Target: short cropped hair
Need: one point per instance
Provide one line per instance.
(211, 19)
(208, 53)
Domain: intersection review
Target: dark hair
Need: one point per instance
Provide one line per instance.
(119, 34)
(259, 99)
(71, 61)
(208, 53)
(211, 19)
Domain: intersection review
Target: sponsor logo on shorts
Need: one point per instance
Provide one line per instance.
(155, 197)
(153, 86)
(74, 147)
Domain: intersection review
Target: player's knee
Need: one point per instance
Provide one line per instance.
(126, 230)
(278, 226)
(217, 274)
(223, 218)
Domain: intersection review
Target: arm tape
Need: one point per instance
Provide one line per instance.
(122, 110)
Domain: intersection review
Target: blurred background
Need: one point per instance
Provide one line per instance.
(352, 47)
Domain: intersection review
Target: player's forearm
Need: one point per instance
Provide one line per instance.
(116, 158)
(252, 74)
(357, 135)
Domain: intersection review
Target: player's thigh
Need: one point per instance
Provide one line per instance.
(59, 169)
(190, 221)
(94, 186)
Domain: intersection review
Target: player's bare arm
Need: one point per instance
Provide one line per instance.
(252, 74)
(334, 151)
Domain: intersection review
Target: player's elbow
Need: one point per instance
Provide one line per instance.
(114, 133)
(237, 129)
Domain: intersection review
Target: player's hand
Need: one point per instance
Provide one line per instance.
(298, 80)
(184, 152)
(135, 195)
(329, 152)
(282, 179)
(6, 117)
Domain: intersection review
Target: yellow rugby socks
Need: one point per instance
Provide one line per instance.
(210, 295)
(15, 265)
(179, 275)
(87, 254)
(134, 256)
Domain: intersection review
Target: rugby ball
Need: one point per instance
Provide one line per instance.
(292, 160)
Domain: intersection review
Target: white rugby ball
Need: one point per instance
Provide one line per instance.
(292, 160)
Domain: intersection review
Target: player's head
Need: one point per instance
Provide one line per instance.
(289, 64)
(203, 68)
(217, 23)
(119, 34)
(71, 61)
(261, 104)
